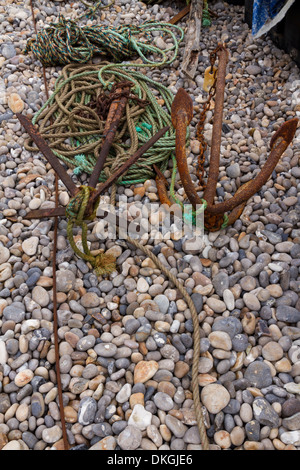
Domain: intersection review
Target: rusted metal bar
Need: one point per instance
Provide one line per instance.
(113, 119)
(162, 184)
(41, 213)
(181, 114)
(46, 213)
(102, 187)
(214, 164)
(61, 212)
(279, 143)
(180, 15)
(48, 154)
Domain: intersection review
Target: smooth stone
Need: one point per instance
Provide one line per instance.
(176, 426)
(220, 283)
(259, 374)
(163, 401)
(252, 429)
(248, 283)
(13, 445)
(287, 314)
(3, 353)
(5, 271)
(230, 325)
(162, 302)
(181, 369)
(124, 394)
(198, 301)
(4, 403)
(272, 351)
(107, 443)
(292, 387)
(86, 343)
(65, 280)
(15, 103)
(240, 342)
(220, 340)
(140, 417)
(292, 423)
(90, 300)
(192, 436)
(87, 410)
(37, 405)
(142, 285)
(23, 377)
(30, 245)
(4, 254)
(265, 413)
(105, 349)
(130, 438)
(51, 435)
(30, 325)
(251, 301)
(253, 69)
(229, 300)
(40, 296)
(15, 312)
(218, 306)
(290, 437)
(222, 439)
(215, 397)
(105, 286)
(233, 170)
(144, 371)
(8, 51)
(290, 407)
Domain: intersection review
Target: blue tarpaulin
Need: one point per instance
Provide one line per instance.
(267, 13)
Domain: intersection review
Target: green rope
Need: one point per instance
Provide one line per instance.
(102, 263)
(66, 42)
(91, 9)
(206, 20)
(226, 220)
(75, 140)
(189, 217)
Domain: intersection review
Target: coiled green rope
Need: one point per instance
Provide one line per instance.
(66, 42)
(76, 139)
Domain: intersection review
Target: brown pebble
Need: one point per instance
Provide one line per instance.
(45, 281)
(3, 440)
(59, 445)
(8, 325)
(94, 332)
(136, 399)
(71, 338)
(61, 297)
(70, 414)
(144, 371)
(143, 348)
(181, 369)
(166, 387)
(252, 445)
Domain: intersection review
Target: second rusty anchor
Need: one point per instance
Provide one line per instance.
(216, 214)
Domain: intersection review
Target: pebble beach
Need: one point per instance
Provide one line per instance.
(126, 378)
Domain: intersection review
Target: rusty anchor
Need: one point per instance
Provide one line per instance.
(215, 215)
(67, 180)
(85, 199)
